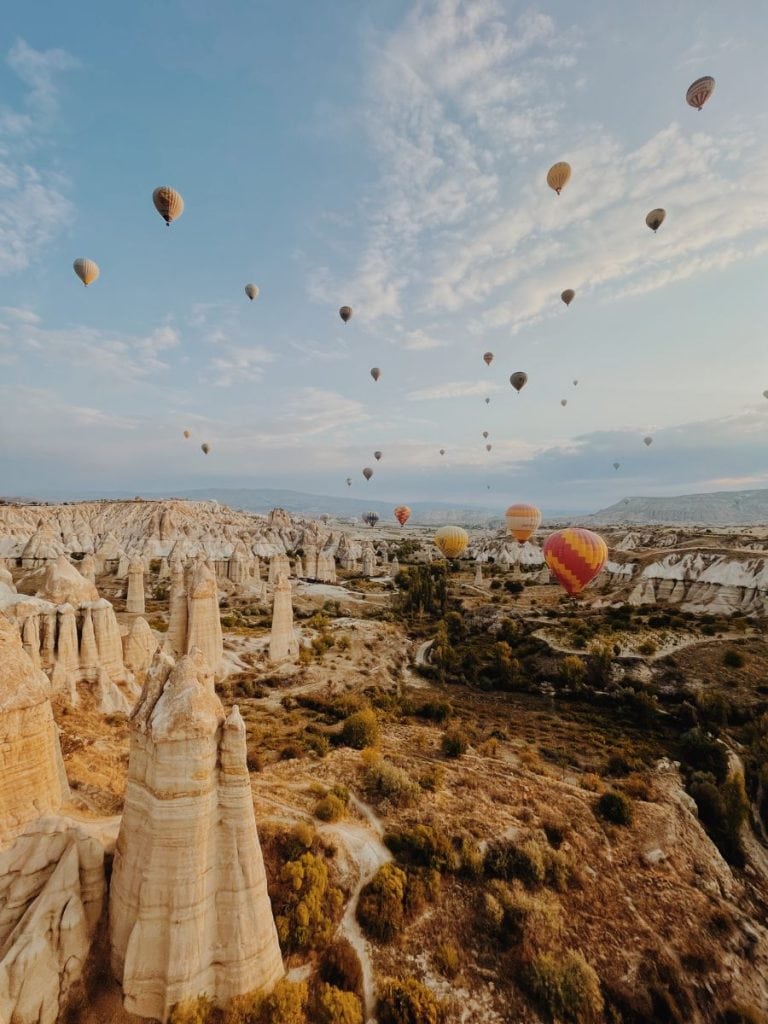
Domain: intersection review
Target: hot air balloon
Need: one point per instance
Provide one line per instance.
(558, 176)
(699, 92)
(575, 383)
(487, 401)
(488, 447)
(518, 380)
(251, 290)
(568, 296)
(655, 219)
(377, 455)
(168, 203)
(522, 521)
(616, 465)
(371, 518)
(367, 472)
(563, 402)
(452, 541)
(86, 270)
(485, 433)
(349, 481)
(375, 373)
(402, 514)
(765, 394)
(575, 557)
(187, 434)
(345, 313)
(648, 441)
(205, 448)
(488, 358)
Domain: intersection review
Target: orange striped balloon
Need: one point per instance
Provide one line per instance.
(575, 557)
(522, 521)
(402, 514)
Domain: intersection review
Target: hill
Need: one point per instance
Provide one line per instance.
(718, 508)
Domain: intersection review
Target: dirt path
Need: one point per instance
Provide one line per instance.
(421, 653)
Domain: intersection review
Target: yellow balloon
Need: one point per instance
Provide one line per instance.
(558, 176)
(522, 521)
(86, 270)
(452, 541)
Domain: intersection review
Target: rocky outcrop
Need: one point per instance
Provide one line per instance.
(282, 640)
(134, 602)
(42, 548)
(326, 568)
(63, 584)
(279, 565)
(139, 647)
(189, 910)
(705, 582)
(203, 622)
(369, 561)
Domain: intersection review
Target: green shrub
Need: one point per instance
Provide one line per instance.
(380, 908)
(307, 904)
(407, 1001)
(733, 659)
(567, 986)
(507, 859)
(434, 710)
(705, 754)
(335, 1006)
(340, 966)
(722, 810)
(387, 781)
(361, 729)
(318, 742)
(615, 807)
(330, 808)
(454, 743)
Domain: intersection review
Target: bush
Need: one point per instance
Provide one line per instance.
(387, 781)
(572, 670)
(380, 909)
(733, 659)
(516, 918)
(407, 1001)
(722, 811)
(647, 648)
(361, 729)
(701, 752)
(615, 807)
(567, 986)
(448, 959)
(286, 1004)
(330, 808)
(505, 859)
(307, 905)
(454, 743)
(335, 1006)
(434, 710)
(421, 846)
(340, 966)
(192, 1011)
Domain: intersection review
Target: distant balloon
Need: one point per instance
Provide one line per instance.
(452, 541)
(251, 290)
(522, 521)
(518, 380)
(575, 383)
(765, 394)
(345, 313)
(575, 557)
(349, 481)
(442, 451)
(563, 402)
(86, 270)
(648, 441)
(655, 219)
(487, 401)
(371, 518)
(488, 357)
(375, 373)
(699, 92)
(488, 447)
(205, 448)
(616, 465)
(367, 472)
(187, 434)
(568, 296)
(377, 455)
(485, 433)
(558, 176)
(168, 203)
(402, 514)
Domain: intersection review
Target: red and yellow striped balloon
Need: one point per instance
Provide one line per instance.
(575, 557)
(402, 514)
(522, 521)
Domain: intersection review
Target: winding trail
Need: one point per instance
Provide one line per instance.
(421, 653)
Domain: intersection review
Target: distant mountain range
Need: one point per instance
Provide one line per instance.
(719, 508)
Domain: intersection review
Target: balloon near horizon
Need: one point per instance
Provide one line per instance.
(575, 557)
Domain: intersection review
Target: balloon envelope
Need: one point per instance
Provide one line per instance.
(205, 448)
(575, 383)
(655, 219)
(488, 357)
(349, 481)
(251, 290)
(345, 313)
(377, 455)
(522, 521)
(487, 401)
(86, 270)
(575, 557)
(485, 433)
(168, 203)
(765, 394)
(186, 433)
(558, 176)
(488, 447)
(375, 373)
(648, 441)
(452, 541)
(616, 465)
(699, 91)
(518, 380)
(568, 296)
(563, 401)
(402, 514)
(371, 518)
(367, 472)
(442, 451)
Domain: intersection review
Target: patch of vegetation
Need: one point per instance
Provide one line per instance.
(733, 659)
(385, 781)
(329, 808)
(615, 807)
(507, 859)
(454, 743)
(306, 905)
(422, 591)
(361, 729)
(566, 986)
(516, 919)
(340, 966)
(381, 907)
(335, 1006)
(408, 1001)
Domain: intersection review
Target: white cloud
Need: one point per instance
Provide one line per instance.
(453, 389)
(238, 365)
(315, 411)
(418, 341)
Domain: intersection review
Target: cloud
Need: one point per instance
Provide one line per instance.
(315, 411)
(419, 341)
(38, 70)
(453, 389)
(240, 365)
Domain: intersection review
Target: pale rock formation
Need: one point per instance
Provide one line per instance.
(310, 562)
(478, 574)
(189, 911)
(238, 564)
(139, 647)
(394, 567)
(282, 640)
(43, 547)
(123, 566)
(176, 637)
(278, 517)
(134, 602)
(369, 561)
(326, 568)
(63, 584)
(88, 568)
(165, 570)
(32, 780)
(298, 568)
(279, 565)
(108, 554)
(203, 622)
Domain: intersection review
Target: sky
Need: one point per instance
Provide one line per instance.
(391, 156)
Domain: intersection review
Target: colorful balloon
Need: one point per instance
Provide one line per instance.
(488, 357)
(345, 313)
(558, 176)
(655, 219)
(568, 296)
(522, 521)
(375, 373)
(371, 518)
(251, 290)
(168, 203)
(86, 270)
(367, 472)
(699, 91)
(205, 448)
(377, 456)
(518, 380)
(402, 514)
(452, 541)
(575, 557)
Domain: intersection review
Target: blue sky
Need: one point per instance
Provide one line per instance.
(391, 156)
